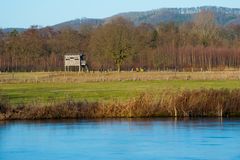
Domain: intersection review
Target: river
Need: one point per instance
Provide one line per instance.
(121, 139)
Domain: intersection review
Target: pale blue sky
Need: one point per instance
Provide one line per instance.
(24, 13)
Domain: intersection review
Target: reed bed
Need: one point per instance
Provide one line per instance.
(187, 103)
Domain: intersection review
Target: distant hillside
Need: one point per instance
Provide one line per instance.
(75, 24)
(224, 16)
(7, 30)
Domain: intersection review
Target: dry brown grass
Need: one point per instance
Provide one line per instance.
(38, 77)
(195, 103)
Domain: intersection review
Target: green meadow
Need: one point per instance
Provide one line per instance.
(30, 93)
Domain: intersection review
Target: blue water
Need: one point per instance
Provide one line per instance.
(139, 139)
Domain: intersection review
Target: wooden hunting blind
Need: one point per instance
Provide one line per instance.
(71, 62)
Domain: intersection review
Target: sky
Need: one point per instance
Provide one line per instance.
(24, 13)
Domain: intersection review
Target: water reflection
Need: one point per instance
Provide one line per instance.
(163, 138)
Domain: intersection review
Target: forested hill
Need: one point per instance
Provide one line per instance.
(75, 24)
(224, 16)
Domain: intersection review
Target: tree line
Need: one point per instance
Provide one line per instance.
(120, 45)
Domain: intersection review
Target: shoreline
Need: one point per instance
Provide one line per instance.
(186, 103)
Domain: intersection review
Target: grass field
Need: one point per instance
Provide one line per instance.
(180, 94)
(101, 91)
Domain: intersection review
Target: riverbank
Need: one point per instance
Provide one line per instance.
(187, 103)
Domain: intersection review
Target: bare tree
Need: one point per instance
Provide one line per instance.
(207, 31)
(115, 40)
